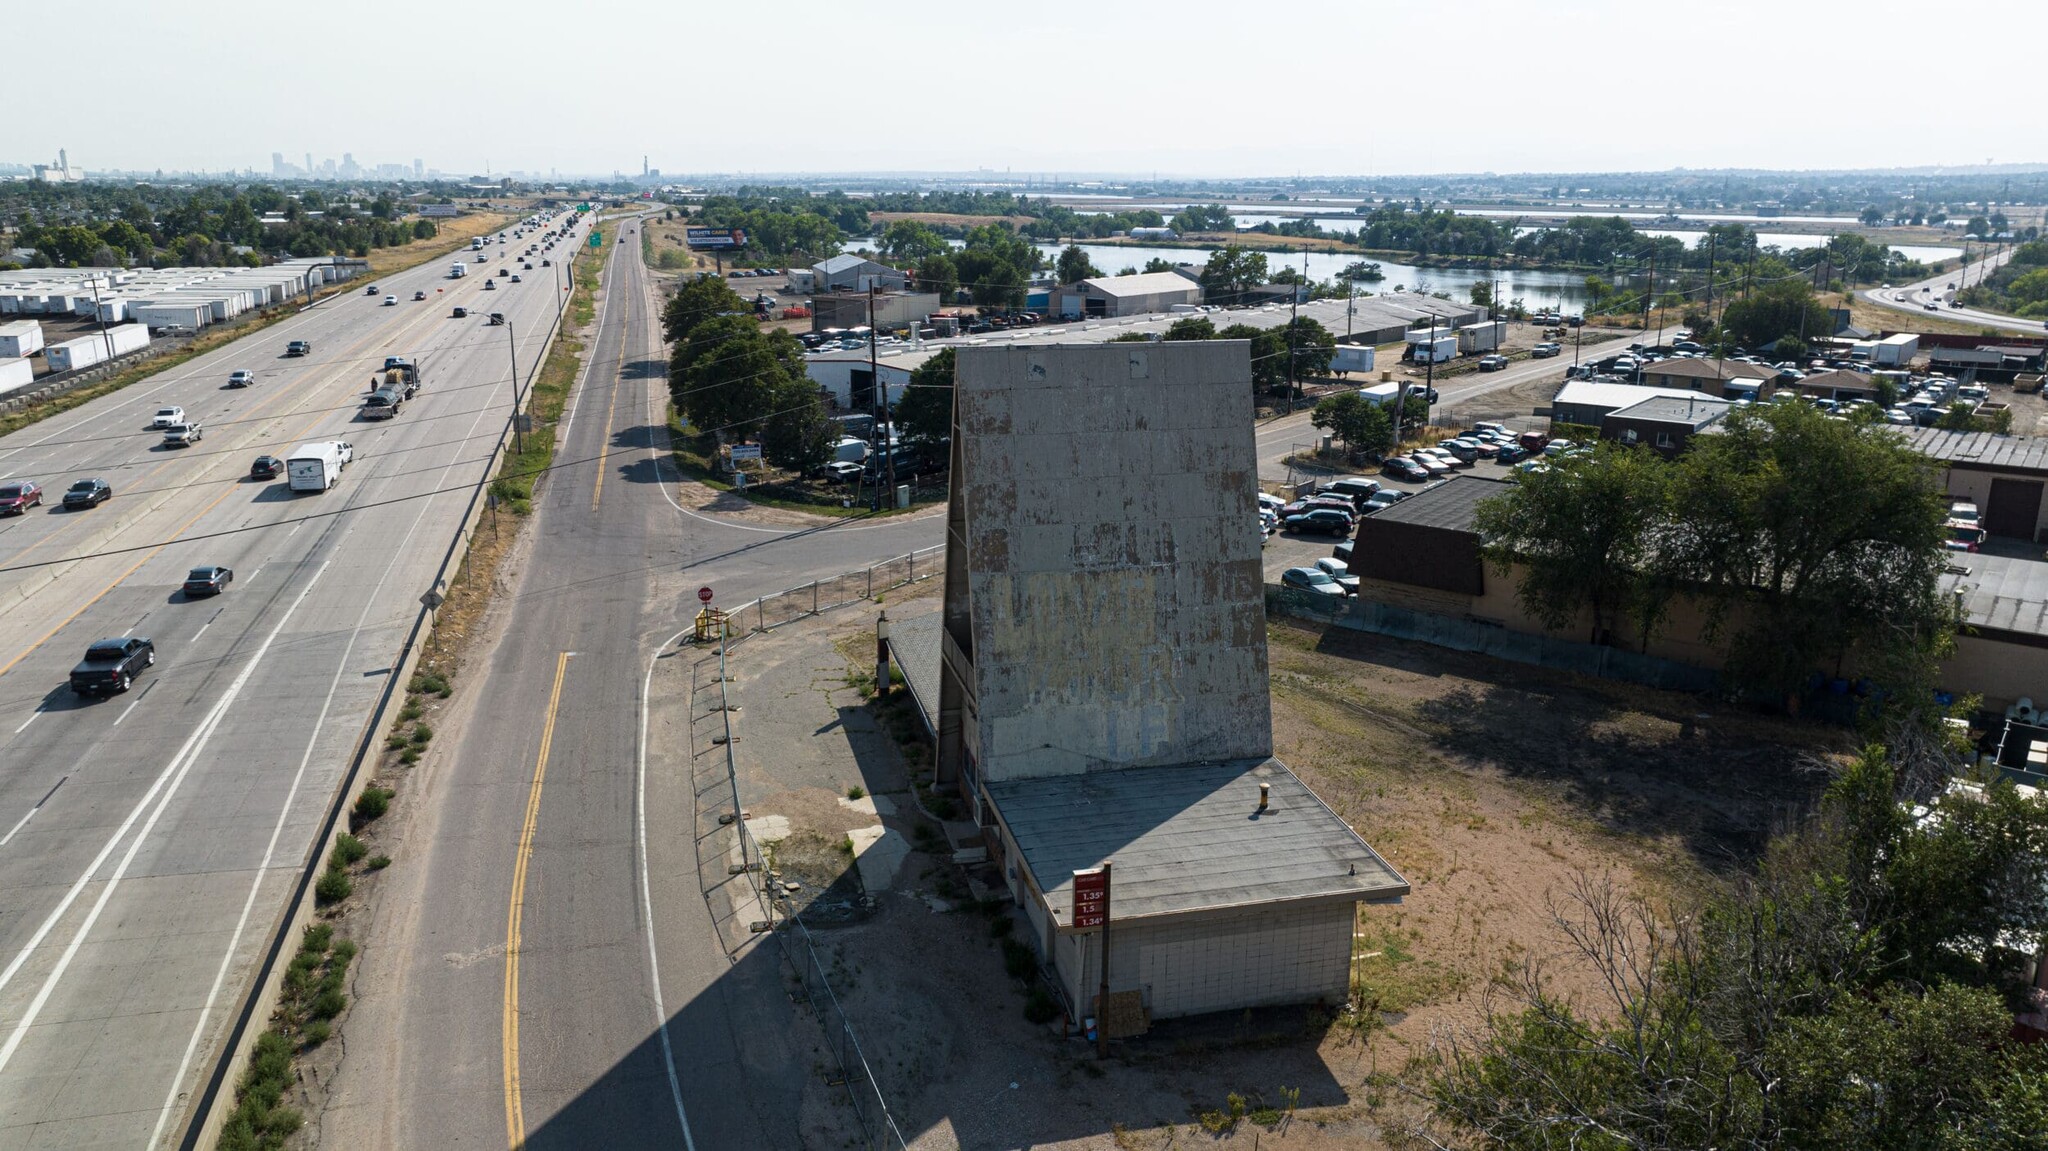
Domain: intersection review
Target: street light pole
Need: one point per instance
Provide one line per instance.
(512, 349)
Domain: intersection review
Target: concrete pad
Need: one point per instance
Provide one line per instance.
(875, 805)
(768, 828)
(878, 852)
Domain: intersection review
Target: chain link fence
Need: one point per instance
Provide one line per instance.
(799, 950)
(778, 608)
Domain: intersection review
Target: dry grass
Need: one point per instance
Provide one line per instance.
(453, 234)
(1877, 318)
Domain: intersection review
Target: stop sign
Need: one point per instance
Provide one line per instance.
(704, 594)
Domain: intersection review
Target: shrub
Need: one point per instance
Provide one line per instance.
(422, 734)
(373, 803)
(1018, 959)
(1039, 1006)
(347, 849)
(856, 792)
(334, 886)
(315, 1033)
(430, 683)
(410, 712)
(379, 862)
(410, 755)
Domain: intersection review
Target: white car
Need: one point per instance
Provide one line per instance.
(391, 301)
(241, 379)
(168, 416)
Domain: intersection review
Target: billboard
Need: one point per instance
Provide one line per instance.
(717, 238)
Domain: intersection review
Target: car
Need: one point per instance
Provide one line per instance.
(1545, 350)
(166, 416)
(1442, 456)
(515, 277)
(1271, 502)
(266, 468)
(19, 496)
(418, 296)
(1963, 535)
(527, 266)
(1327, 520)
(1340, 571)
(1931, 306)
(1531, 466)
(1511, 453)
(111, 665)
(183, 435)
(370, 291)
(504, 271)
(1311, 580)
(497, 319)
(208, 581)
(547, 263)
(1431, 466)
(88, 493)
(1463, 450)
(298, 348)
(1386, 498)
(1951, 286)
(1492, 363)
(459, 313)
(490, 285)
(1310, 503)
(390, 301)
(241, 379)
(1964, 510)
(1898, 416)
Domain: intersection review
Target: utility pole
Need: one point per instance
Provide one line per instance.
(1294, 314)
(1429, 376)
(1650, 288)
(1713, 241)
(881, 405)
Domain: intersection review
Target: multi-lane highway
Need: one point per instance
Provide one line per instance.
(544, 966)
(147, 840)
(1940, 291)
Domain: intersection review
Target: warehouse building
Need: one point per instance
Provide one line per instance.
(1106, 488)
(2002, 475)
(890, 309)
(850, 273)
(1110, 296)
(1664, 424)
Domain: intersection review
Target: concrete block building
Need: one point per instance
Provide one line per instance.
(1104, 691)
(1106, 296)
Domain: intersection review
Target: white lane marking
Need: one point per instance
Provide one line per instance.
(201, 631)
(132, 705)
(32, 811)
(24, 727)
(668, 1058)
(277, 830)
(174, 774)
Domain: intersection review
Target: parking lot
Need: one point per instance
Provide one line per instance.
(1286, 550)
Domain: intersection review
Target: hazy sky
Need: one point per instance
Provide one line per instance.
(1190, 87)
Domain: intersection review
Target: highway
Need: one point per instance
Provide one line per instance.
(150, 838)
(1940, 290)
(542, 962)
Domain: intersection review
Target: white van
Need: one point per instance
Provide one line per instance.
(316, 466)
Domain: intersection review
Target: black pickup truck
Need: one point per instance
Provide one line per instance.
(111, 665)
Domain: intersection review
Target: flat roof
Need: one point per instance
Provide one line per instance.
(1688, 368)
(1597, 394)
(1449, 505)
(1142, 284)
(1189, 838)
(1695, 411)
(1983, 450)
(2000, 593)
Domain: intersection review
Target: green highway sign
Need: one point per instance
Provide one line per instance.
(597, 239)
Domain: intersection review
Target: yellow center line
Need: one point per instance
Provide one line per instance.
(515, 1112)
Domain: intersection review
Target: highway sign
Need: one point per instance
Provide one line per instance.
(704, 595)
(432, 600)
(597, 239)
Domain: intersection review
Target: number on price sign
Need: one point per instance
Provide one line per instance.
(1091, 897)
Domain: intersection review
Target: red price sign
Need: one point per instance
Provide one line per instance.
(1091, 897)
(704, 594)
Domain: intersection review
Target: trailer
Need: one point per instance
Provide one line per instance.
(127, 338)
(1896, 351)
(16, 375)
(1352, 358)
(71, 355)
(1484, 336)
(20, 338)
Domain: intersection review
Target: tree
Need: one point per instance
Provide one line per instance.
(1156, 264)
(1231, 272)
(910, 241)
(1786, 307)
(1872, 216)
(1075, 266)
(925, 412)
(724, 378)
(1481, 293)
(1584, 534)
(1268, 355)
(1363, 425)
(1191, 328)
(1311, 345)
(937, 274)
(797, 433)
(1204, 218)
(1819, 543)
(1978, 226)
(696, 301)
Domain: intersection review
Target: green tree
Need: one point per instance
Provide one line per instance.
(1156, 264)
(730, 373)
(936, 273)
(1481, 293)
(909, 241)
(1268, 355)
(424, 230)
(1584, 534)
(696, 301)
(1311, 345)
(924, 413)
(1872, 216)
(1231, 272)
(1785, 307)
(1075, 266)
(797, 434)
(1363, 425)
(1204, 218)
(1819, 543)
(1191, 328)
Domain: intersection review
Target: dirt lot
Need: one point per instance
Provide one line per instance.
(1490, 785)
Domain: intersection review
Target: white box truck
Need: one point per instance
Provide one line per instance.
(20, 338)
(1439, 349)
(315, 467)
(1352, 358)
(457, 270)
(1896, 351)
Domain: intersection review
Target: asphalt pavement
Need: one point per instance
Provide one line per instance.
(1937, 290)
(150, 838)
(544, 965)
